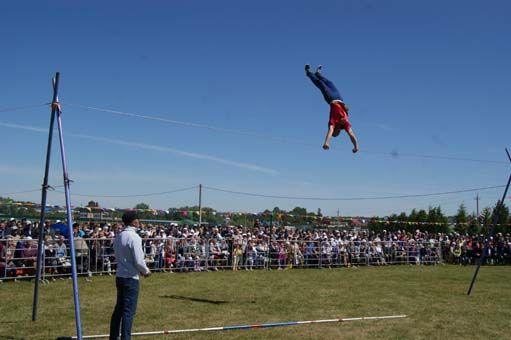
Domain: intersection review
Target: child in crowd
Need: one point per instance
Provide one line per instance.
(237, 255)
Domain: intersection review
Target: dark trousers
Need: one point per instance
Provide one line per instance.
(326, 87)
(125, 308)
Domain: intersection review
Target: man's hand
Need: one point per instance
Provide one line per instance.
(147, 274)
(355, 150)
(326, 147)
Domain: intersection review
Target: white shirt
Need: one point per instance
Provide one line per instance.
(129, 254)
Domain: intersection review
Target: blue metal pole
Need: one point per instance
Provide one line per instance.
(40, 246)
(69, 225)
(496, 214)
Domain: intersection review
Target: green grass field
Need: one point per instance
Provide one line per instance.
(433, 297)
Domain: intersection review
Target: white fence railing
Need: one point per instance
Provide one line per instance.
(96, 256)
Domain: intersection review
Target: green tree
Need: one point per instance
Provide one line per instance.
(461, 219)
(443, 226)
(376, 224)
(502, 218)
(422, 216)
(402, 222)
(485, 217)
(432, 215)
(413, 216)
(300, 215)
(142, 206)
(473, 226)
(402, 217)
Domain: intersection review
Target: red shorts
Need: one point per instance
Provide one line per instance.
(339, 116)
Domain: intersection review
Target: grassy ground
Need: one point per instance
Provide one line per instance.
(434, 298)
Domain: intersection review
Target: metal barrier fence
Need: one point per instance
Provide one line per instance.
(96, 256)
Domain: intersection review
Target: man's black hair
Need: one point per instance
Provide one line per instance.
(129, 216)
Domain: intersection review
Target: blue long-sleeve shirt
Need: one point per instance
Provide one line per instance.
(129, 254)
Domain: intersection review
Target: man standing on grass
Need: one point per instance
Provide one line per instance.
(130, 262)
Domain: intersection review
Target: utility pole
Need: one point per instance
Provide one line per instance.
(200, 205)
(477, 205)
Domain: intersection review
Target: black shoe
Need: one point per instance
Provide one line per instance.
(318, 69)
(307, 68)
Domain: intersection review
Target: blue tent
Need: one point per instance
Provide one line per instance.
(61, 228)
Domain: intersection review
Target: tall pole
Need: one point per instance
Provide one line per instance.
(69, 222)
(496, 215)
(44, 192)
(270, 240)
(200, 205)
(477, 205)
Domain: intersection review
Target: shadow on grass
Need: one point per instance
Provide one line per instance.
(9, 337)
(178, 297)
(213, 302)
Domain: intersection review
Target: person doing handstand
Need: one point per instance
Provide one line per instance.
(338, 110)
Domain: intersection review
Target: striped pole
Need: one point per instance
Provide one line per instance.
(230, 328)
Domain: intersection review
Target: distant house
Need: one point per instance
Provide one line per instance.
(93, 212)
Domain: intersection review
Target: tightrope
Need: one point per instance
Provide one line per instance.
(249, 326)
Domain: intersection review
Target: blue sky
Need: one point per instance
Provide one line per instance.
(421, 77)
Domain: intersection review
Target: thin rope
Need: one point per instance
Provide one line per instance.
(195, 125)
(393, 154)
(396, 154)
(350, 198)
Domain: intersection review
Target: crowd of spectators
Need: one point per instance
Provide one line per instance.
(182, 248)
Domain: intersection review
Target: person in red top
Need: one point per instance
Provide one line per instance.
(339, 119)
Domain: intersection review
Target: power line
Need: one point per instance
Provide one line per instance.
(350, 198)
(28, 191)
(20, 192)
(134, 195)
(275, 196)
(267, 137)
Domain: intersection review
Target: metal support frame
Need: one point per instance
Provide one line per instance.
(56, 112)
(496, 214)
